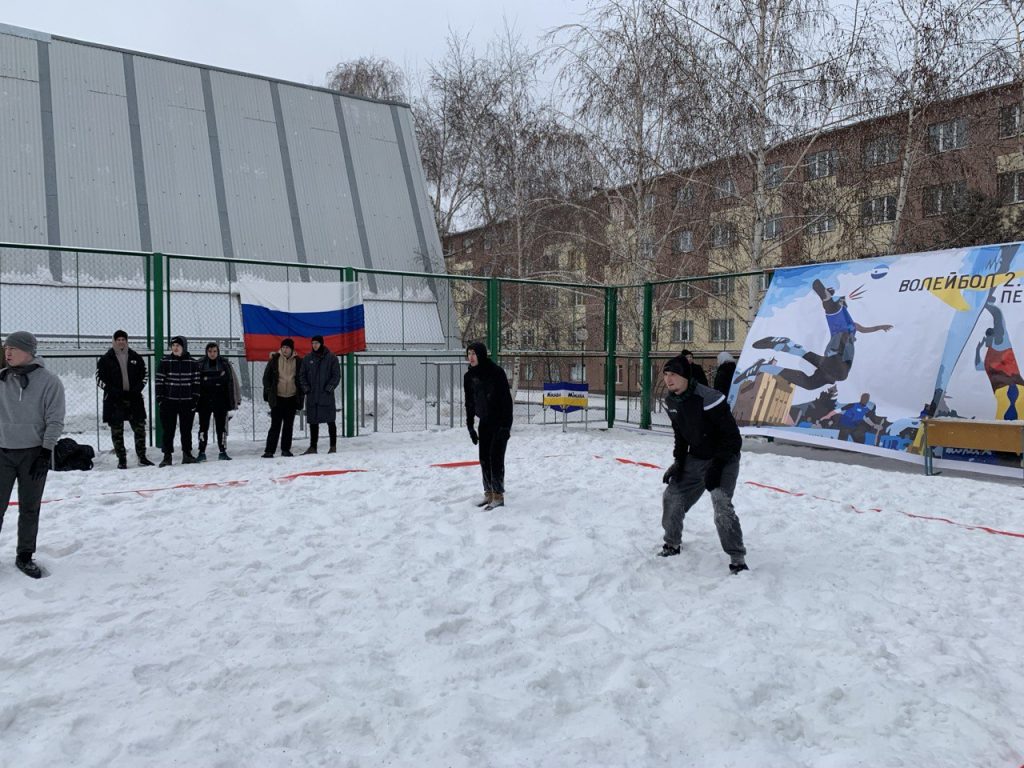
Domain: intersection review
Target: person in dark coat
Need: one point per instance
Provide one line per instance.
(218, 393)
(177, 396)
(283, 393)
(320, 375)
(724, 373)
(488, 398)
(696, 369)
(121, 374)
(707, 457)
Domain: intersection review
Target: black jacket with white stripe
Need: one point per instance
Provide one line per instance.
(703, 424)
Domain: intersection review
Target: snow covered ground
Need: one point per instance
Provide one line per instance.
(378, 618)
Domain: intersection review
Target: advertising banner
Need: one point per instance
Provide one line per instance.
(854, 354)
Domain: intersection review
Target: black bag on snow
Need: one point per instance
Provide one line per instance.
(67, 454)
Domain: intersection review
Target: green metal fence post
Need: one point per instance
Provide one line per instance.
(158, 333)
(611, 332)
(349, 275)
(645, 358)
(493, 317)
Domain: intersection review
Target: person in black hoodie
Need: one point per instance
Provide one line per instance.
(696, 369)
(121, 374)
(707, 457)
(177, 395)
(488, 398)
(724, 373)
(218, 393)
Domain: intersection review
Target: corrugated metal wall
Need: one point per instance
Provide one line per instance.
(107, 148)
(190, 131)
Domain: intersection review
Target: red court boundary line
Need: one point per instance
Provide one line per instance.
(946, 520)
(316, 473)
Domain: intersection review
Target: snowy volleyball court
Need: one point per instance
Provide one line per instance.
(378, 618)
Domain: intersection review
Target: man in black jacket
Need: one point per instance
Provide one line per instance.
(283, 392)
(489, 398)
(121, 374)
(177, 395)
(707, 456)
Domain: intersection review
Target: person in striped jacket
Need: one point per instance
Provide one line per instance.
(177, 396)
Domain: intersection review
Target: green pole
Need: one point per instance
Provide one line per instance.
(158, 333)
(493, 317)
(645, 358)
(611, 332)
(349, 275)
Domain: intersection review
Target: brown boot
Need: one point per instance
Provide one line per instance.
(497, 500)
(485, 500)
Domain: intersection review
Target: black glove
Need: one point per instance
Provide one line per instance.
(473, 435)
(673, 473)
(713, 477)
(41, 464)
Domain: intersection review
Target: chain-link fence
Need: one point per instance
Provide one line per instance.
(613, 339)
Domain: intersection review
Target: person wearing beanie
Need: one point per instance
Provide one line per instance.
(724, 373)
(121, 374)
(488, 398)
(219, 393)
(319, 376)
(706, 457)
(697, 371)
(31, 420)
(177, 396)
(283, 393)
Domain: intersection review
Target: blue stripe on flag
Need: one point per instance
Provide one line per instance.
(276, 322)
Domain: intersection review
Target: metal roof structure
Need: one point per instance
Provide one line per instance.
(108, 148)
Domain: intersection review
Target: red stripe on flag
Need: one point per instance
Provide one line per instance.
(259, 346)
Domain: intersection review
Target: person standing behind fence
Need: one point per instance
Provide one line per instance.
(121, 374)
(724, 373)
(177, 394)
(282, 391)
(320, 375)
(31, 420)
(218, 393)
(695, 368)
(488, 397)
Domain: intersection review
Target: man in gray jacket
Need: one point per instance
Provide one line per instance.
(31, 420)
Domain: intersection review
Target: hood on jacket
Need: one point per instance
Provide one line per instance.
(725, 357)
(184, 345)
(481, 352)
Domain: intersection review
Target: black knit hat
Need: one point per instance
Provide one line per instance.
(290, 343)
(679, 366)
(319, 338)
(180, 340)
(119, 334)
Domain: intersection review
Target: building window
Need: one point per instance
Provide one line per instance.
(618, 373)
(723, 234)
(722, 330)
(763, 281)
(646, 246)
(878, 210)
(773, 227)
(943, 198)
(721, 286)
(773, 173)
(947, 136)
(684, 195)
(529, 338)
(821, 221)
(529, 372)
(683, 291)
(553, 339)
(682, 331)
(467, 244)
(725, 187)
(1011, 187)
(649, 201)
(579, 298)
(1010, 121)
(578, 372)
(684, 241)
(882, 150)
(488, 242)
(821, 164)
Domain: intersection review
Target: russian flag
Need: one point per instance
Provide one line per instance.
(272, 312)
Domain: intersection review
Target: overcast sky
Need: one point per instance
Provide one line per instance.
(299, 44)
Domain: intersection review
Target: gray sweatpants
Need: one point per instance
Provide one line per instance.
(16, 464)
(680, 495)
